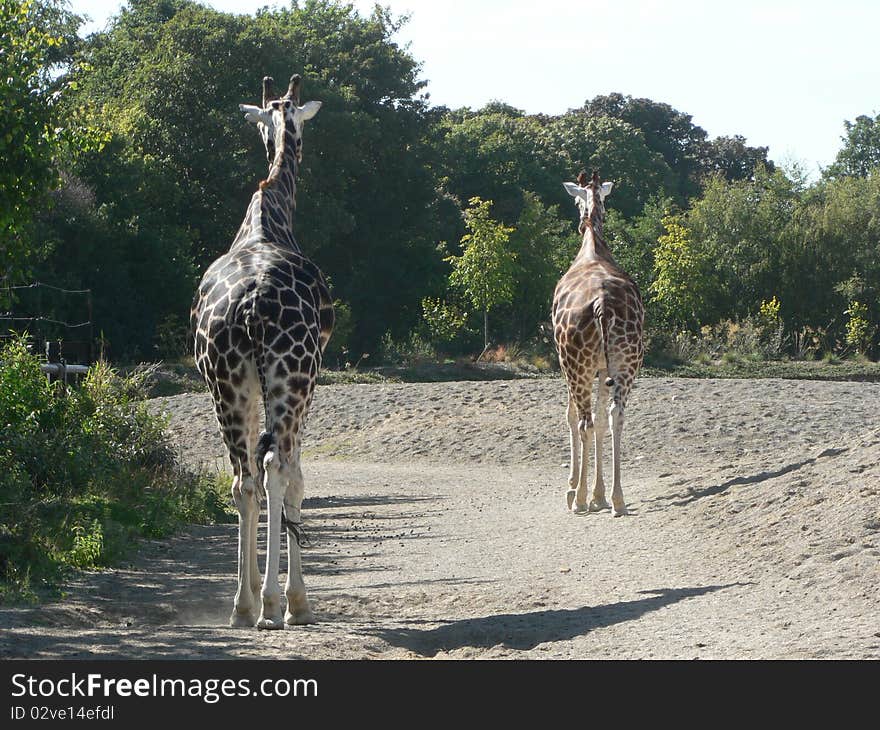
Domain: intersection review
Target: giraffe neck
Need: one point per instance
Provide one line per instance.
(593, 246)
(270, 214)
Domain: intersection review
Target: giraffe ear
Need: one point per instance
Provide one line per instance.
(309, 109)
(253, 114)
(573, 189)
(605, 191)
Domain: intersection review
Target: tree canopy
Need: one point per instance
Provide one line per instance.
(128, 167)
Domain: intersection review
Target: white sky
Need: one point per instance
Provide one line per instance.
(782, 73)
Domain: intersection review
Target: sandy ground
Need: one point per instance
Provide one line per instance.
(439, 529)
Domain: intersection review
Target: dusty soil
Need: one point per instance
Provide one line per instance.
(439, 529)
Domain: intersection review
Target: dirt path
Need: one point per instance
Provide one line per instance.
(438, 520)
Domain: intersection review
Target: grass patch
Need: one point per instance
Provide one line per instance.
(741, 367)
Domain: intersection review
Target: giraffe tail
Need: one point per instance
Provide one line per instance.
(266, 444)
(602, 317)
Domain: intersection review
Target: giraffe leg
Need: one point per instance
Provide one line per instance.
(298, 609)
(575, 462)
(618, 506)
(585, 431)
(276, 477)
(600, 424)
(252, 425)
(256, 580)
(244, 497)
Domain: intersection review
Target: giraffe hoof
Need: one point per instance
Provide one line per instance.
(597, 505)
(619, 511)
(573, 506)
(242, 620)
(300, 617)
(270, 624)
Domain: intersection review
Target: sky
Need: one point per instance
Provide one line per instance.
(784, 74)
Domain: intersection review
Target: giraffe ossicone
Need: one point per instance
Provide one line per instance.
(598, 320)
(261, 319)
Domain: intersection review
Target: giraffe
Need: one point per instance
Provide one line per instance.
(598, 317)
(261, 319)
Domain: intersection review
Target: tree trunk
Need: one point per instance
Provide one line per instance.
(485, 330)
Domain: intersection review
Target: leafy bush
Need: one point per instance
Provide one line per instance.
(859, 332)
(84, 471)
(336, 354)
(444, 320)
(412, 351)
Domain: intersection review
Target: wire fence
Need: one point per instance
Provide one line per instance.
(42, 320)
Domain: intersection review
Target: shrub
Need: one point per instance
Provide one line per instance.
(83, 472)
(445, 321)
(859, 332)
(414, 350)
(343, 326)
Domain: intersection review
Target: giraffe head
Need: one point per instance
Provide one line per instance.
(276, 110)
(589, 196)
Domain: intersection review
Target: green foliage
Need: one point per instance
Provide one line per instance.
(409, 351)
(172, 338)
(36, 37)
(858, 327)
(543, 245)
(338, 348)
(682, 275)
(131, 147)
(745, 228)
(497, 153)
(633, 241)
(83, 471)
(860, 154)
(613, 147)
(734, 159)
(445, 321)
(666, 131)
(485, 271)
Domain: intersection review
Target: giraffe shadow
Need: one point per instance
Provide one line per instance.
(189, 579)
(524, 631)
(693, 494)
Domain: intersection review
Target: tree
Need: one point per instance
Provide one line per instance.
(484, 272)
(166, 79)
(682, 276)
(861, 148)
(618, 150)
(667, 131)
(734, 159)
(544, 245)
(35, 37)
(495, 154)
(745, 227)
(633, 241)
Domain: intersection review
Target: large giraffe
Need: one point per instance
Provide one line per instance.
(598, 317)
(262, 317)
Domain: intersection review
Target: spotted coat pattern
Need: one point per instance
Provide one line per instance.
(598, 318)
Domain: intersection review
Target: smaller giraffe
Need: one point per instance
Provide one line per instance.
(598, 317)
